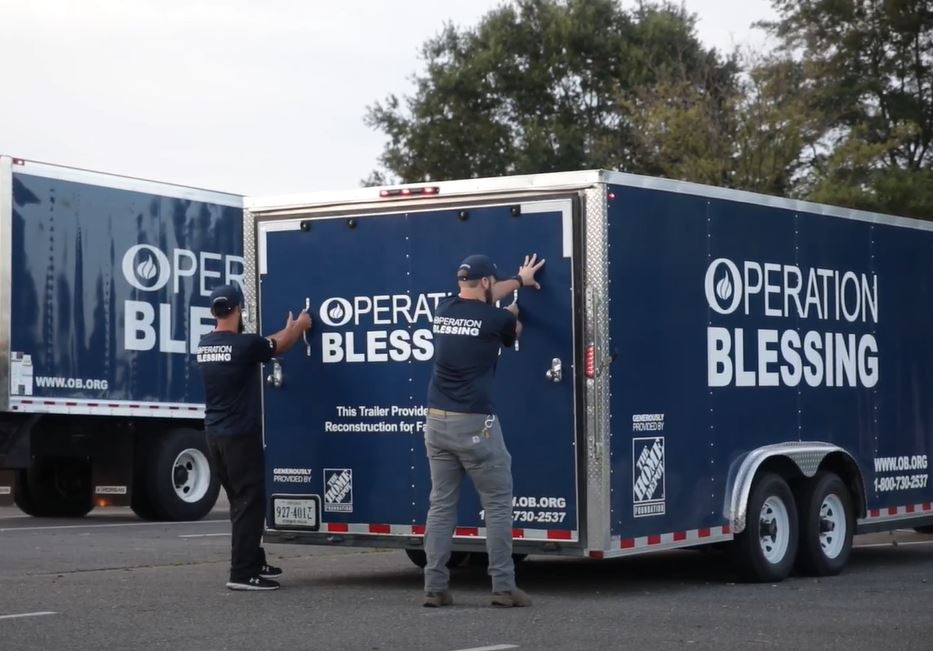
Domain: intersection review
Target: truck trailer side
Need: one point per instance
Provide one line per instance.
(104, 285)
(701, 366)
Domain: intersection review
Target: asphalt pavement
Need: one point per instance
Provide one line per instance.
(111, 581)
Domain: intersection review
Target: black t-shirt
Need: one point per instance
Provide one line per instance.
(232, 382)
(467, 336)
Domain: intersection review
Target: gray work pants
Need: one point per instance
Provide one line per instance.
(471, 444)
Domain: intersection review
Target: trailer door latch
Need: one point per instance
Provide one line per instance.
(275, 377)
(556, 372)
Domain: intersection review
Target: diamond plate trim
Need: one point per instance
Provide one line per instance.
(807, 455)
(250, 278)
(596, 390)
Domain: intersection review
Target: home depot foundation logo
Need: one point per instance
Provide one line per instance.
(338, 490)
(648, 476)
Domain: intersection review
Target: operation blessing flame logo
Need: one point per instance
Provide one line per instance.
(336, 312)
(145, 267)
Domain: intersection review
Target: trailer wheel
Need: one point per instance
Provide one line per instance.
(826, 526)
(766, 549)
(176, 478)
(55, 487)
(419, 558)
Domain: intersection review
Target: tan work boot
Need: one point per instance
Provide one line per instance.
(437, 599)
(514, 599)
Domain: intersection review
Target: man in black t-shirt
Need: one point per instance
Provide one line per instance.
(230, 363)
(463, 435)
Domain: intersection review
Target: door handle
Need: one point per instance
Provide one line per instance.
(275, 377)
(304, 335)
(556, 372)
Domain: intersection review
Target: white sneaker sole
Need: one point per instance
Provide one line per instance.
(248, 587)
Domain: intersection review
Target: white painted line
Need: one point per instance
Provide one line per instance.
(202, 535)
(896, 544)
(41, 613)
(101, 526)
(497, 647)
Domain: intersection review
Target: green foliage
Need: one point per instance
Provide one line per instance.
(542, 85)
(868, 79)
(841, 112)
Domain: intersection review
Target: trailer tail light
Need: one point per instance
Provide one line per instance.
(394, 193)
(19, 161)
(589, 361)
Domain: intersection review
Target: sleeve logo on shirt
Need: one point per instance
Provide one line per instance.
(444, 325)
(338, 490)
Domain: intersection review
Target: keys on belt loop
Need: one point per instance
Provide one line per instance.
(487, 425)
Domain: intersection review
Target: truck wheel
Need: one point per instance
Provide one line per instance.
(766, 549)
(826, 526)
(176, 477)
(419, 558)
(55, 487)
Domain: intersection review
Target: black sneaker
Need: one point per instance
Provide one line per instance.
(269, 571)
(255, 583)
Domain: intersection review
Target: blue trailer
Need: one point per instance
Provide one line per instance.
(701, 366)
(104, 285)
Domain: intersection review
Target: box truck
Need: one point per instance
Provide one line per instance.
(104, 285)
(700, 366)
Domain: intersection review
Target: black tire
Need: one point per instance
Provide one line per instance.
(419, 558)
(55, 487)
(819, 536)
(21, 495)
(925, 529)
(159, 482)
(761, 529)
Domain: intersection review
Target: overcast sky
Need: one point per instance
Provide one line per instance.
(248, 96)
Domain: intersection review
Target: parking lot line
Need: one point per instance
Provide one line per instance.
(115, 524)
(202, 535)
(496, 647)
(40, 613)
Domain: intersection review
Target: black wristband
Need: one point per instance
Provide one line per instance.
(519, 279)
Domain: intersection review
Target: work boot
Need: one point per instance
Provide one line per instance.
(513, 599)
(438, 599)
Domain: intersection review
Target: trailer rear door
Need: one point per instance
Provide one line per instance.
(344, 427)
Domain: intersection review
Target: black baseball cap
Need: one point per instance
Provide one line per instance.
(224, 298)
(477, 266)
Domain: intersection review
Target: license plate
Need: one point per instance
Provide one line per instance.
(291, 512)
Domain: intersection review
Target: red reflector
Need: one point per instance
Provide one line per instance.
(726, 529)
(892, 510)
(380, 528)
(927, 506)
(596, 554)
(910, 508)
(338, 527)
(466, 531)
(654, 539)
(680, 535)
(627, 543)
(518, 533)
(874, 513)
(417, 529)
(559, 535)
(589, 361)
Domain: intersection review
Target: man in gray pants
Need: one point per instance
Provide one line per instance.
(463, 433)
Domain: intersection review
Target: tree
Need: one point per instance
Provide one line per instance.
(868, 80)
(549, 85)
